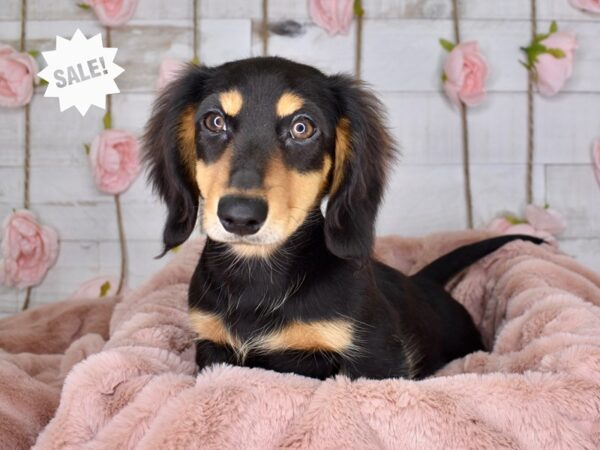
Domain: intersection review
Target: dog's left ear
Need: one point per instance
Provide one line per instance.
(170, 153)
(364, 150)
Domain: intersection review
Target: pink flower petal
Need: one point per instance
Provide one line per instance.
(335, 16)
(113, 13)
(545, 219)
(466, 71)
(114, 157)
(553, 72)
(29, 250)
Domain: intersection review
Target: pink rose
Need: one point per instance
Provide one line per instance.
(499, 224)
(596, 158)
(334, 16)
(586, 5)
(113, 13)
(168, 71)
(28, 250)
(98, 287)
(17, 75)
(115, 161)
(552, 72)
(545, 219)
(465, 73)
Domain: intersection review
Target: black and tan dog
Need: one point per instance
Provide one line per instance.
(262, 142)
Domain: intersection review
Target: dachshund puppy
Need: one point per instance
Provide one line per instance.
(279, 285)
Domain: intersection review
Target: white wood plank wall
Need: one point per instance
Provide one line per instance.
(401, 59)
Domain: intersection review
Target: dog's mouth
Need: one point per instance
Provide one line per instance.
(261, 243)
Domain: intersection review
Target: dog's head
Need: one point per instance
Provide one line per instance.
(262, 141)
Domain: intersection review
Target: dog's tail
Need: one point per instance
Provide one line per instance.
(443, 268)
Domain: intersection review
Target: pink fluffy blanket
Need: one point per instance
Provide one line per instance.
(538, 386)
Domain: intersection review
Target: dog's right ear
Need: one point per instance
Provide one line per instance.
(170, 152)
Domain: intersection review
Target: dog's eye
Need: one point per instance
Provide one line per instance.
(215, 122)
(302, 128)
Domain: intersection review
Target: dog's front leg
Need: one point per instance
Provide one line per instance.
(208, 353)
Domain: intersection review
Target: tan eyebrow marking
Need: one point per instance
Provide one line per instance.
(231, 102)
(288, 104)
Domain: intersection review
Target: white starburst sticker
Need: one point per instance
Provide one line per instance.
(80, 72)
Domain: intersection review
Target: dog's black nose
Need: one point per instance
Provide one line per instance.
(242, 215)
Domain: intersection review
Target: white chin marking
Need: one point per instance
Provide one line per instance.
(264, 237)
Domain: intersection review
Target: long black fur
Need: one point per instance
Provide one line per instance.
(403, 326)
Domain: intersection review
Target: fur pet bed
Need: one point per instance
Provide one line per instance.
(538, 387)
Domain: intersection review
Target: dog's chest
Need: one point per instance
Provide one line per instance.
(332, 336)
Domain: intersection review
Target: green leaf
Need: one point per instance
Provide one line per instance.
(514, 220)
(447, 45)
(358, 9)
(176, 249)
(84, 6)
(104, 288)
(524, 64)
(87, 148)
(556, 52)
(107, 121)
(540, 37)
(546, 205)
(34, 53)
(43, 82)
(444, 77)
(195, 60)
(553, 27)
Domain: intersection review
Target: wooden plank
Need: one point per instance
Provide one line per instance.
(141, 48)
(313, 46)
(12, 121)
(11, 187)
(236, 9)
(573, 190)
(142, 259)
(566, 126)
(414, 63)
(585, 251)
(498, 129)
(77, 262)
(143, 221)
(426, 127)
(422, 200)
(403, 55)
(286, 10)
(294, 9)
(54, 144)
(125, 103)
(500, 188)
(472, 10)
(9, 301)
(11, 10)
(41, 34)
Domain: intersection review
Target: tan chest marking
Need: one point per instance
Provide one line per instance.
(323, 335)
